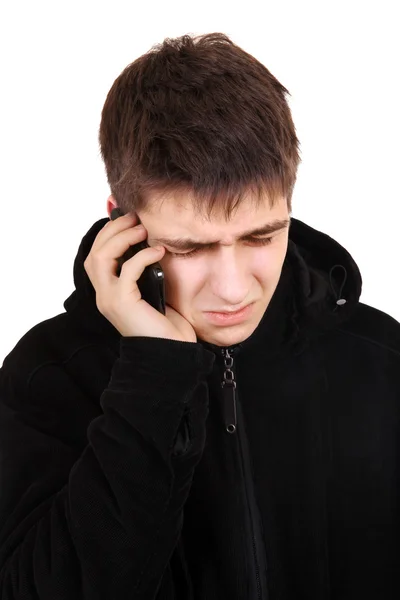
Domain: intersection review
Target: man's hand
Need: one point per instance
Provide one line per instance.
(119, 298)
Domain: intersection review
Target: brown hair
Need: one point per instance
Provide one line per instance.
(202, 117)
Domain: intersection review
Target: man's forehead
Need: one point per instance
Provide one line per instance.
(183, 228)
(183, 211)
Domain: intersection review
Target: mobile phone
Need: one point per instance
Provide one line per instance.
(151, 281)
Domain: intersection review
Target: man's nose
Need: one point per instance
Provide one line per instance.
(229, 280)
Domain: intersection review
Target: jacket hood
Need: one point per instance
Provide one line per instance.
(320, 287)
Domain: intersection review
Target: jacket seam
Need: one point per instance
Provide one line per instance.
(370, 341)
(57, 362)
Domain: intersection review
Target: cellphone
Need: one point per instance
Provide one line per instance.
(151, 281)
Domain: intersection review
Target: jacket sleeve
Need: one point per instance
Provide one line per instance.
(104, 525)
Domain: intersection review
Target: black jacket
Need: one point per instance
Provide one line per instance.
(119, 479)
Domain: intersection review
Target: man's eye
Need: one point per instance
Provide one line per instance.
(262, 241)
(256, 241)
(182, 255)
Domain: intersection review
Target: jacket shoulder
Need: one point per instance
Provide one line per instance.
(375, 326)
(52, 341)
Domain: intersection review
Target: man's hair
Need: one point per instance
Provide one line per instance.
(198, 116)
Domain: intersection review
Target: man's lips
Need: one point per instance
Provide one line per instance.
(231, 318)
(227, 312)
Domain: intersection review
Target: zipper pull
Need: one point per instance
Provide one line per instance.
(229, 394)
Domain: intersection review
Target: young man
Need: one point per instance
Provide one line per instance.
(203, 454)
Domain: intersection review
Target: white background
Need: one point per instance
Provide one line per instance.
(340, 62)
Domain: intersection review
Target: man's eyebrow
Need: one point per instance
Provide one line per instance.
(189, 244)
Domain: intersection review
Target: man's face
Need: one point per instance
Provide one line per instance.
(230, 274)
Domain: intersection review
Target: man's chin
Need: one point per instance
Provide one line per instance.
(227, 336)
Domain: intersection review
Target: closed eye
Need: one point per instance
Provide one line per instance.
(257, 241)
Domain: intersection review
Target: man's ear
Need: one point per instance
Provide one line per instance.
(111, 203)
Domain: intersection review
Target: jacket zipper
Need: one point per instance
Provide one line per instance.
(229, 394)
(230, 418)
